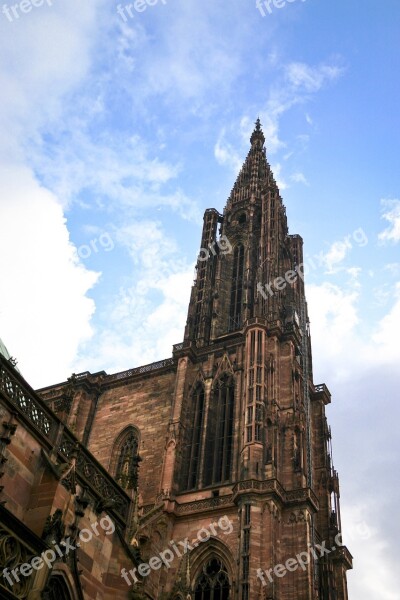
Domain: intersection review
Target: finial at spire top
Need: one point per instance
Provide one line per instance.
(257, 135)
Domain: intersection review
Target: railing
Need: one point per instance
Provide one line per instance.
(168, 362)
(46, 424)
(93, 475)
(177, 347)
(342, 553)
(24, 399)
(249, 485)
(83, 375)
(321, 388)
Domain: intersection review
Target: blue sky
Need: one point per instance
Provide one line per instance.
(117, 135)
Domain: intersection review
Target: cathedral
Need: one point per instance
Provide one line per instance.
(204, 476)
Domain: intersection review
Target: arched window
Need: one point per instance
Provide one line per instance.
(235, 310)
(126, 459)
(56, 589)
(219, 440)
(213, 583)
(192, 451)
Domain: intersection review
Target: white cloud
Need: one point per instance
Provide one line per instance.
(145, 318)
(45, 305)
(311, 79)
(393, 268)
(226, 154)
(334, 317)
(341, 337)
(392, 215)
(186, 64)
(364, 538)
(387, 334)
(299, 178)
(44, 311)
(51, 54)
(298, 82)
(336, 254)
(115, 170)
(309, 119)
(360, 367)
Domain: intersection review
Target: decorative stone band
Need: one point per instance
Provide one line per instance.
(302, 495)
(201, 505)
(168, 362)
(288, 498)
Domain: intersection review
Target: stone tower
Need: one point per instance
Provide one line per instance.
(231, 431)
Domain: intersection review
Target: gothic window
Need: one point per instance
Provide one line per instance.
(213, 583)
(246, 552)
(235, 311)
(219, 441)
(56, 589)
(193, 447)
(126, 459)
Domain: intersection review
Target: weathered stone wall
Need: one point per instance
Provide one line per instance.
(144, 403)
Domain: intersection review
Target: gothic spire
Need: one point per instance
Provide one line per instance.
(255, 173)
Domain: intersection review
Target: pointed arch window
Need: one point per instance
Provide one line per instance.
(213, 583)
(219, 440)
(235, 310)
(126, 459)
(193, 446)
(56, 589)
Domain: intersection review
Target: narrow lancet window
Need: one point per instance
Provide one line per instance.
(126, 457)
(235, 311)
(219, 442)
(192, 452)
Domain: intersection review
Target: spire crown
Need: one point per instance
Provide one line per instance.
(257, 137)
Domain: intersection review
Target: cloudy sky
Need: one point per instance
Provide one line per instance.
(118, 131)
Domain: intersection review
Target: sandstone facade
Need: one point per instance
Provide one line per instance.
(224, 445)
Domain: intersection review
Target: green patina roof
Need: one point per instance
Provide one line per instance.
(4, 351)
